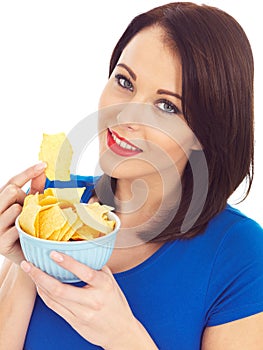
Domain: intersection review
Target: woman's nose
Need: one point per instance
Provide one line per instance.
(133, 114)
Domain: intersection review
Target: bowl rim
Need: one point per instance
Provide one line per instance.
(94, 240)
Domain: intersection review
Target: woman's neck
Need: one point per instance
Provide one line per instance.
(145, 206)
(148, 193)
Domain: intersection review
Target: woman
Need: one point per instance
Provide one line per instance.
(176, 139)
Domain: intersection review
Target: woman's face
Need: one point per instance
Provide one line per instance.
(142, 130)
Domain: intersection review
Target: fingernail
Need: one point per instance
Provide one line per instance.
(56, 256)
(40, 166)
(25, 266)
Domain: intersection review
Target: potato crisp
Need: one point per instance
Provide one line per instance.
(58, 215)
(56, 152)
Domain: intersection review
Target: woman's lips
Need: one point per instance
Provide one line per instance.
(120, 145)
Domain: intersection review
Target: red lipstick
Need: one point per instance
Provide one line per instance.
(120, 145)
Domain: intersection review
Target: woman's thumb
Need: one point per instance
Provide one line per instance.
(38, 184)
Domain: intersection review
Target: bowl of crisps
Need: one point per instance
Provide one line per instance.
(56, 220)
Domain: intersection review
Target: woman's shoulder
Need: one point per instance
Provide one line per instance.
(230, 228)
(231, 222)
(236, 274)
(232, 232)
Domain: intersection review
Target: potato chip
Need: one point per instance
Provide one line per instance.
(75, 226)
(67, 231)
(65, 204)
(31, 199)
(28, 219)
(54, 235)
(86, 232)
(56, 152)
(71, 194)
(68, 234)
(95, 216)
(51, 220)
(49, 200)
(77, 237)
(57, 214)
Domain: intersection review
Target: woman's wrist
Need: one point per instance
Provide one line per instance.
(135, 337)
(17, 297)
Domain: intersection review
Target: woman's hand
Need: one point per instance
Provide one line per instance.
(99, 311)
(11, 201)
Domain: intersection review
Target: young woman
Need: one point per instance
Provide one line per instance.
(176, 140)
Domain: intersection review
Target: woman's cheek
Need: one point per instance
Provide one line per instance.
(104, 98)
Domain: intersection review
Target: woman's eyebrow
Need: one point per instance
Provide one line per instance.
(159, 91)
(166, 92)
(130, 71)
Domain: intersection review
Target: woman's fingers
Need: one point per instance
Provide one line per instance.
(38, 184)
(85, 273)
(11, 195)
(10, 245)
(9, 216)
(55, 289)
(11, 201)
(98, 279)
(61, 293)
(22, 178)
(59, 308)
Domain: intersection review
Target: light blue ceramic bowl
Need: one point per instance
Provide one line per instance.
(94, 253)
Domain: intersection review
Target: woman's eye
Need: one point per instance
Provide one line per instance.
(167, 106)
(124, 82)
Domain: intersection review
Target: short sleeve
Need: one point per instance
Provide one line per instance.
(235, 288)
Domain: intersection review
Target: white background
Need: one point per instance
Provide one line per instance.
(54, 63)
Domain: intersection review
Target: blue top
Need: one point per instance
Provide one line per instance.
(187, 285)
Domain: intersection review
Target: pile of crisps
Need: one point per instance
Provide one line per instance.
(58, 215)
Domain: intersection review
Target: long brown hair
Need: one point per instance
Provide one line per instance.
(217, 98)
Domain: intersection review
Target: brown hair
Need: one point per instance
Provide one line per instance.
(217, 98)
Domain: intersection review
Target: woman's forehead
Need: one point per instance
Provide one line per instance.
(148, 55)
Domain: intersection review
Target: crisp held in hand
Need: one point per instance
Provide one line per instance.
(56, 151)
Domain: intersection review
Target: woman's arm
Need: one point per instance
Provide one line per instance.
(242, 334)
(4, 270)
(17, 297)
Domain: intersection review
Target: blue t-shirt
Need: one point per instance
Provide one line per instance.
(187, 285)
